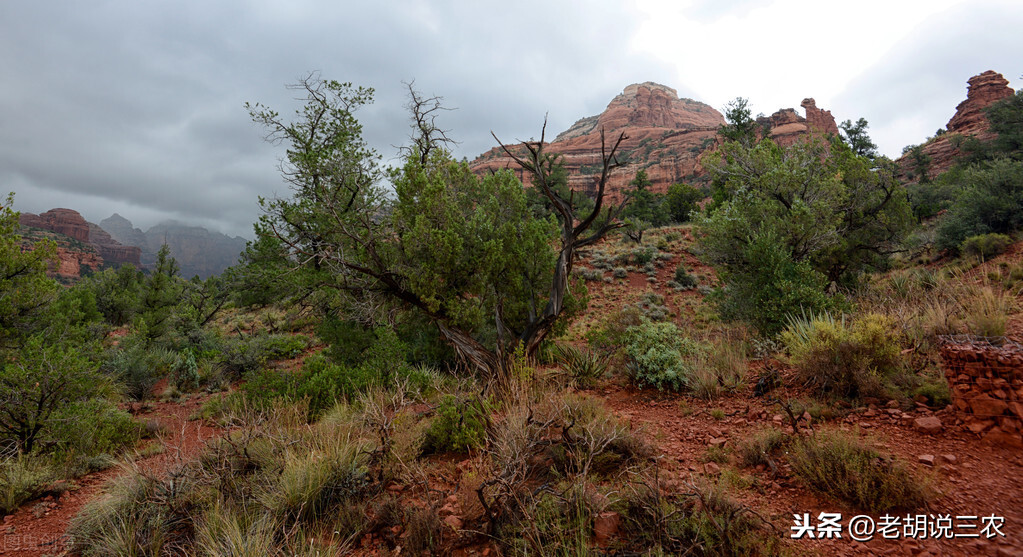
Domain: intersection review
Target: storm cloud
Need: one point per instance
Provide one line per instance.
(138, 107)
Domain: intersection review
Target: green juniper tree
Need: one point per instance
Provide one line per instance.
(466, 253)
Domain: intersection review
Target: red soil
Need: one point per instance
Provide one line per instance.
(40, 528)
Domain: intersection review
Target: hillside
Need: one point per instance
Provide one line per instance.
(666, 135)
(943, 149)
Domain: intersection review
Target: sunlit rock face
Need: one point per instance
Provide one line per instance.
(982, 91)
(666, 136)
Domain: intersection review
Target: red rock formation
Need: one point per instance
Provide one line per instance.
(70, 262)
(969, 120)
(94, 247)
(818, 119)
(982, 91)
(63, 221)
(787, 126)
(113, 251)
(666, 136)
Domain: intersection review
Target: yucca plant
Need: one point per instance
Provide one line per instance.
(584, 366)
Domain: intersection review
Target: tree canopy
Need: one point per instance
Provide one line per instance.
(796, 219)
(469, 254)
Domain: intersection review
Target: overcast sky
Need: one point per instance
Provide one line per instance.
(137, 107)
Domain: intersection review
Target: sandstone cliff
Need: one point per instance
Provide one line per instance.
(61, 221)
(786, 126)
(667, 136)
(982, 91)
(74, 257)
(80, 243)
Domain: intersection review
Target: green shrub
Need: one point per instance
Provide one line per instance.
(934, 387)
(619, 273)
(346, 339)
(657, 355)
(186, 372)
(242, 355)
(262, 387)
(138, 367)
(93, 427)
(770, 286)
(986, 246)
(843, 466)
(44, 379)
(683, 279)
(22, 478)
(651, 305)
(990, 200)
(609, 337)
(863, 359)
(643, 255)
(459, 426)
(325, 383)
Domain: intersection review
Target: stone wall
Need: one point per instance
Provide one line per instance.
(987, 388)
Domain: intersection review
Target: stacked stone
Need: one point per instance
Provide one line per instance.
(987, 389)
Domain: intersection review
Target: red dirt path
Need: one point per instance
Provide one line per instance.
(40, 527)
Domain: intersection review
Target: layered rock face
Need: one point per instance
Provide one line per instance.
(94, 248)
(666, 136)
(787, 126)
(982, 91)
(61, 221)
(111, 250)
(71, 263)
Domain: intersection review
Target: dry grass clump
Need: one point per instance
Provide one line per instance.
(721, 367)
(844, 466)
(705, 520)
(760, 447)
(547, 464)
(852, 360)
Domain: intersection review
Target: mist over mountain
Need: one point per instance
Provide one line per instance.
(197, 250)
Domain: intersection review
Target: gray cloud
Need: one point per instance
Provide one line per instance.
(916, 88)
(137, 107)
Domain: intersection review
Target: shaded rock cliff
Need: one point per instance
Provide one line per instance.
(197, 250)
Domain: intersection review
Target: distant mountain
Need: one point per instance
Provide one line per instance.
(666, 135)
(197, 250)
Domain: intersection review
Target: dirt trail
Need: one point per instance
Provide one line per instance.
(984, 479)
(40, 527)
